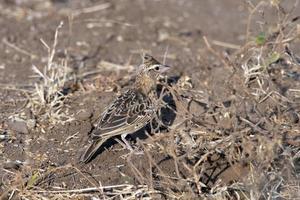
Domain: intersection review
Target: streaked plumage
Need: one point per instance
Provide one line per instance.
(131, 111)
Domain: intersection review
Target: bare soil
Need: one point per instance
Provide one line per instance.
(46, 156)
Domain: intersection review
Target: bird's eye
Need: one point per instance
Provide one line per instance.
(156, 68)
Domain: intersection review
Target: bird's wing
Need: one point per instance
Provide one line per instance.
(127, 114)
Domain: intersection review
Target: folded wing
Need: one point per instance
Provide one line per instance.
(127, 114)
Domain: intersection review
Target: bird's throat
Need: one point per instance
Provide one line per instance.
(146, 84)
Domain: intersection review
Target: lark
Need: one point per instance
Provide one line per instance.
(131, 111)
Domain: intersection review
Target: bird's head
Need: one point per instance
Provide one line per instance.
(149, 73)
(152, 67)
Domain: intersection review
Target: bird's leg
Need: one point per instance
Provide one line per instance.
(123, 136)
(137, 152)
(126, 145)
(122, 144)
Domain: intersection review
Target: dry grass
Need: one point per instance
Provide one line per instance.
(47, 101)
(254, 151)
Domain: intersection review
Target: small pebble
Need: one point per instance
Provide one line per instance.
(12, 165)
(3, 136)
(83, 115)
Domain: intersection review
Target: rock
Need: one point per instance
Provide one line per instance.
(83, 115)
(13, 165)
(18, 125)
(3, 136)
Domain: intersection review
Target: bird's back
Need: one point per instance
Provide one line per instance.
(128, 113)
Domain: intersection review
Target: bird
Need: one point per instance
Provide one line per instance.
(130, 111)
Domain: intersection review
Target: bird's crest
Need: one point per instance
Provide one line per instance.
(148, 60)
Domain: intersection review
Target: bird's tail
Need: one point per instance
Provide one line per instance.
(90, 151)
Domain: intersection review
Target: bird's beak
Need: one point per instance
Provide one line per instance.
(164, 68)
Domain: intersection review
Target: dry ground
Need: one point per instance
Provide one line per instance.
(235, 81)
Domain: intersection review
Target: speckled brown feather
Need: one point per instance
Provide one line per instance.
(129, 112)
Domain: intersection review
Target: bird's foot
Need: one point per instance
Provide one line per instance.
(133, 150)
(124, 146)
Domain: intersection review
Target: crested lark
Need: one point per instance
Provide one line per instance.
(131, 111)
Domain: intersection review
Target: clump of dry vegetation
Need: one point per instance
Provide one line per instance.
(255, 155)
(47, 100)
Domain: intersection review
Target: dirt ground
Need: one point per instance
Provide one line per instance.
(249, 139)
